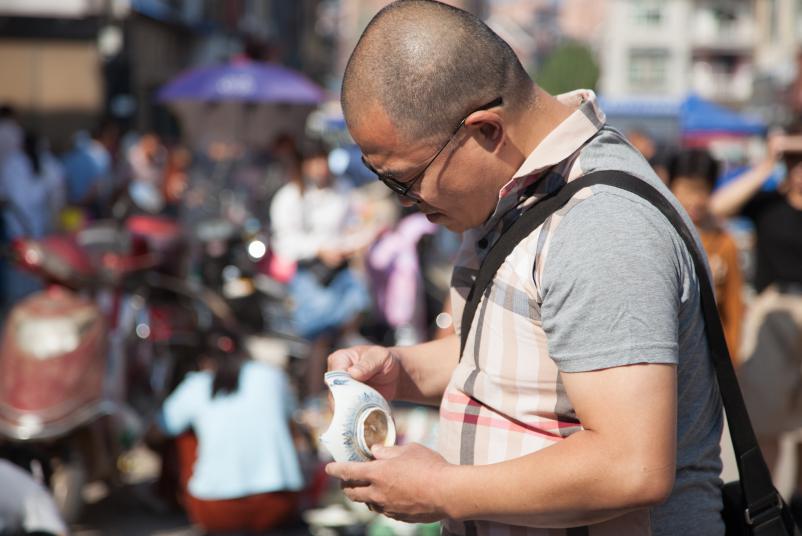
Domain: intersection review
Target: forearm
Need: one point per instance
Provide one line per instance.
(728, 200)
(426, 369)
(580, 480)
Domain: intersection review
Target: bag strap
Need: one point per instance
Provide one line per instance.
(763, 504)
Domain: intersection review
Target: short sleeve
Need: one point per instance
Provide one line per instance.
(182, 406)
(611, 286)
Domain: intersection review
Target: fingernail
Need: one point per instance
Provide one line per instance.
(377, 450)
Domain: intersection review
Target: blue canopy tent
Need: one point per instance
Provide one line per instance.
(658, 117)
(693, 120)
(701, 117)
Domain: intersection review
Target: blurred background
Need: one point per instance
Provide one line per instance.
(181, 203)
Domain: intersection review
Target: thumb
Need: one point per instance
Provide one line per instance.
(381, 452)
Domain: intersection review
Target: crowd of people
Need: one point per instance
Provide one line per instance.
(318, 235)
(621, 383)
(348, 259)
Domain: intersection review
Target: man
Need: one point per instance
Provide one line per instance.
(585, 394)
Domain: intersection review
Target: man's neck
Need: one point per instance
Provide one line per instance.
(538, 121)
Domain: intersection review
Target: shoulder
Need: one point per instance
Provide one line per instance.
(287, 194)
(614, 219)
(762, 202)
(196, 383)
(614, 237)
(262, 372)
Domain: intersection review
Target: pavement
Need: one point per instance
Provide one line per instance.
(132, 509)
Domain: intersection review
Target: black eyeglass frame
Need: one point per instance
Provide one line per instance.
(403, 188)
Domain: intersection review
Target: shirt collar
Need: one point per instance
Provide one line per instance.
(569, 135)
(558, 145)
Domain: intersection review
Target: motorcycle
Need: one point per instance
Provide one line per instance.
(77, 358)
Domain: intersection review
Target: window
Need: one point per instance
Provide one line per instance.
(648, 69)
(798, 19)
(647, 13)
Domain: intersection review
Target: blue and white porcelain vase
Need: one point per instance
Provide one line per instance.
(361, 419)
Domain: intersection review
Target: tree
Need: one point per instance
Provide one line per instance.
(570, 66)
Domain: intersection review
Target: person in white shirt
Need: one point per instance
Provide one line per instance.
(309, 218)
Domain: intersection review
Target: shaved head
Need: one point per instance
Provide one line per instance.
(426, 65)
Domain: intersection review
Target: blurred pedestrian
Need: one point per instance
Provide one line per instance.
(771, 376)
(239, 466)
(176, 176)
(692, 177)
(657, 154)
(310, 219)
(394, 268)
(88, 175)
(32, 186)
(31, 189)
(147, 159)
(26, 507)
(284, 165)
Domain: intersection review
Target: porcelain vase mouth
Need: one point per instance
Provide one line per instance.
(362, 418)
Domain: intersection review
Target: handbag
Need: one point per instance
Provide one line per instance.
(752, 506)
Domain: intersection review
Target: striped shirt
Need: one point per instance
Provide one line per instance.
(505, 398)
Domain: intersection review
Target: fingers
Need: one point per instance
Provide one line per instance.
(349, 471)
(343, 359)
(371, 362)
(363, 494)
(356, 482)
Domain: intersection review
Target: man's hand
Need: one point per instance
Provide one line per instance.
(374, 365)
(402, 483)
(775, 145)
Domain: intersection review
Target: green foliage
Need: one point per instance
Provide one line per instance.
(570, 66)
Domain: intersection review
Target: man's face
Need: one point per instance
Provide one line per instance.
(458, 190)
(693, 193)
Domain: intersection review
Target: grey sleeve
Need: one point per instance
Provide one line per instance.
(611, 286)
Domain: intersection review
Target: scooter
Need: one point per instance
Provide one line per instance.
(65, 378)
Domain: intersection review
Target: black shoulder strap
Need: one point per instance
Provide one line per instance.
(758, 490)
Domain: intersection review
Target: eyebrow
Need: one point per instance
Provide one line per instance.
(395, 174)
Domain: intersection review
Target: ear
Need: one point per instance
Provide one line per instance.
(489, 128)
(492, 132)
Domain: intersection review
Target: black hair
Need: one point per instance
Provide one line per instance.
(694, 163)
(30, 146)
(428, 64)
(224, 350)
(791, 159)
(314, 148)
(664, 156)
(7, 111)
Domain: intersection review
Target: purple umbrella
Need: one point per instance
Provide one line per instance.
(242, 81)
(243, 101)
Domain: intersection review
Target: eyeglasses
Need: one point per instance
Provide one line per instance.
(403, 188)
